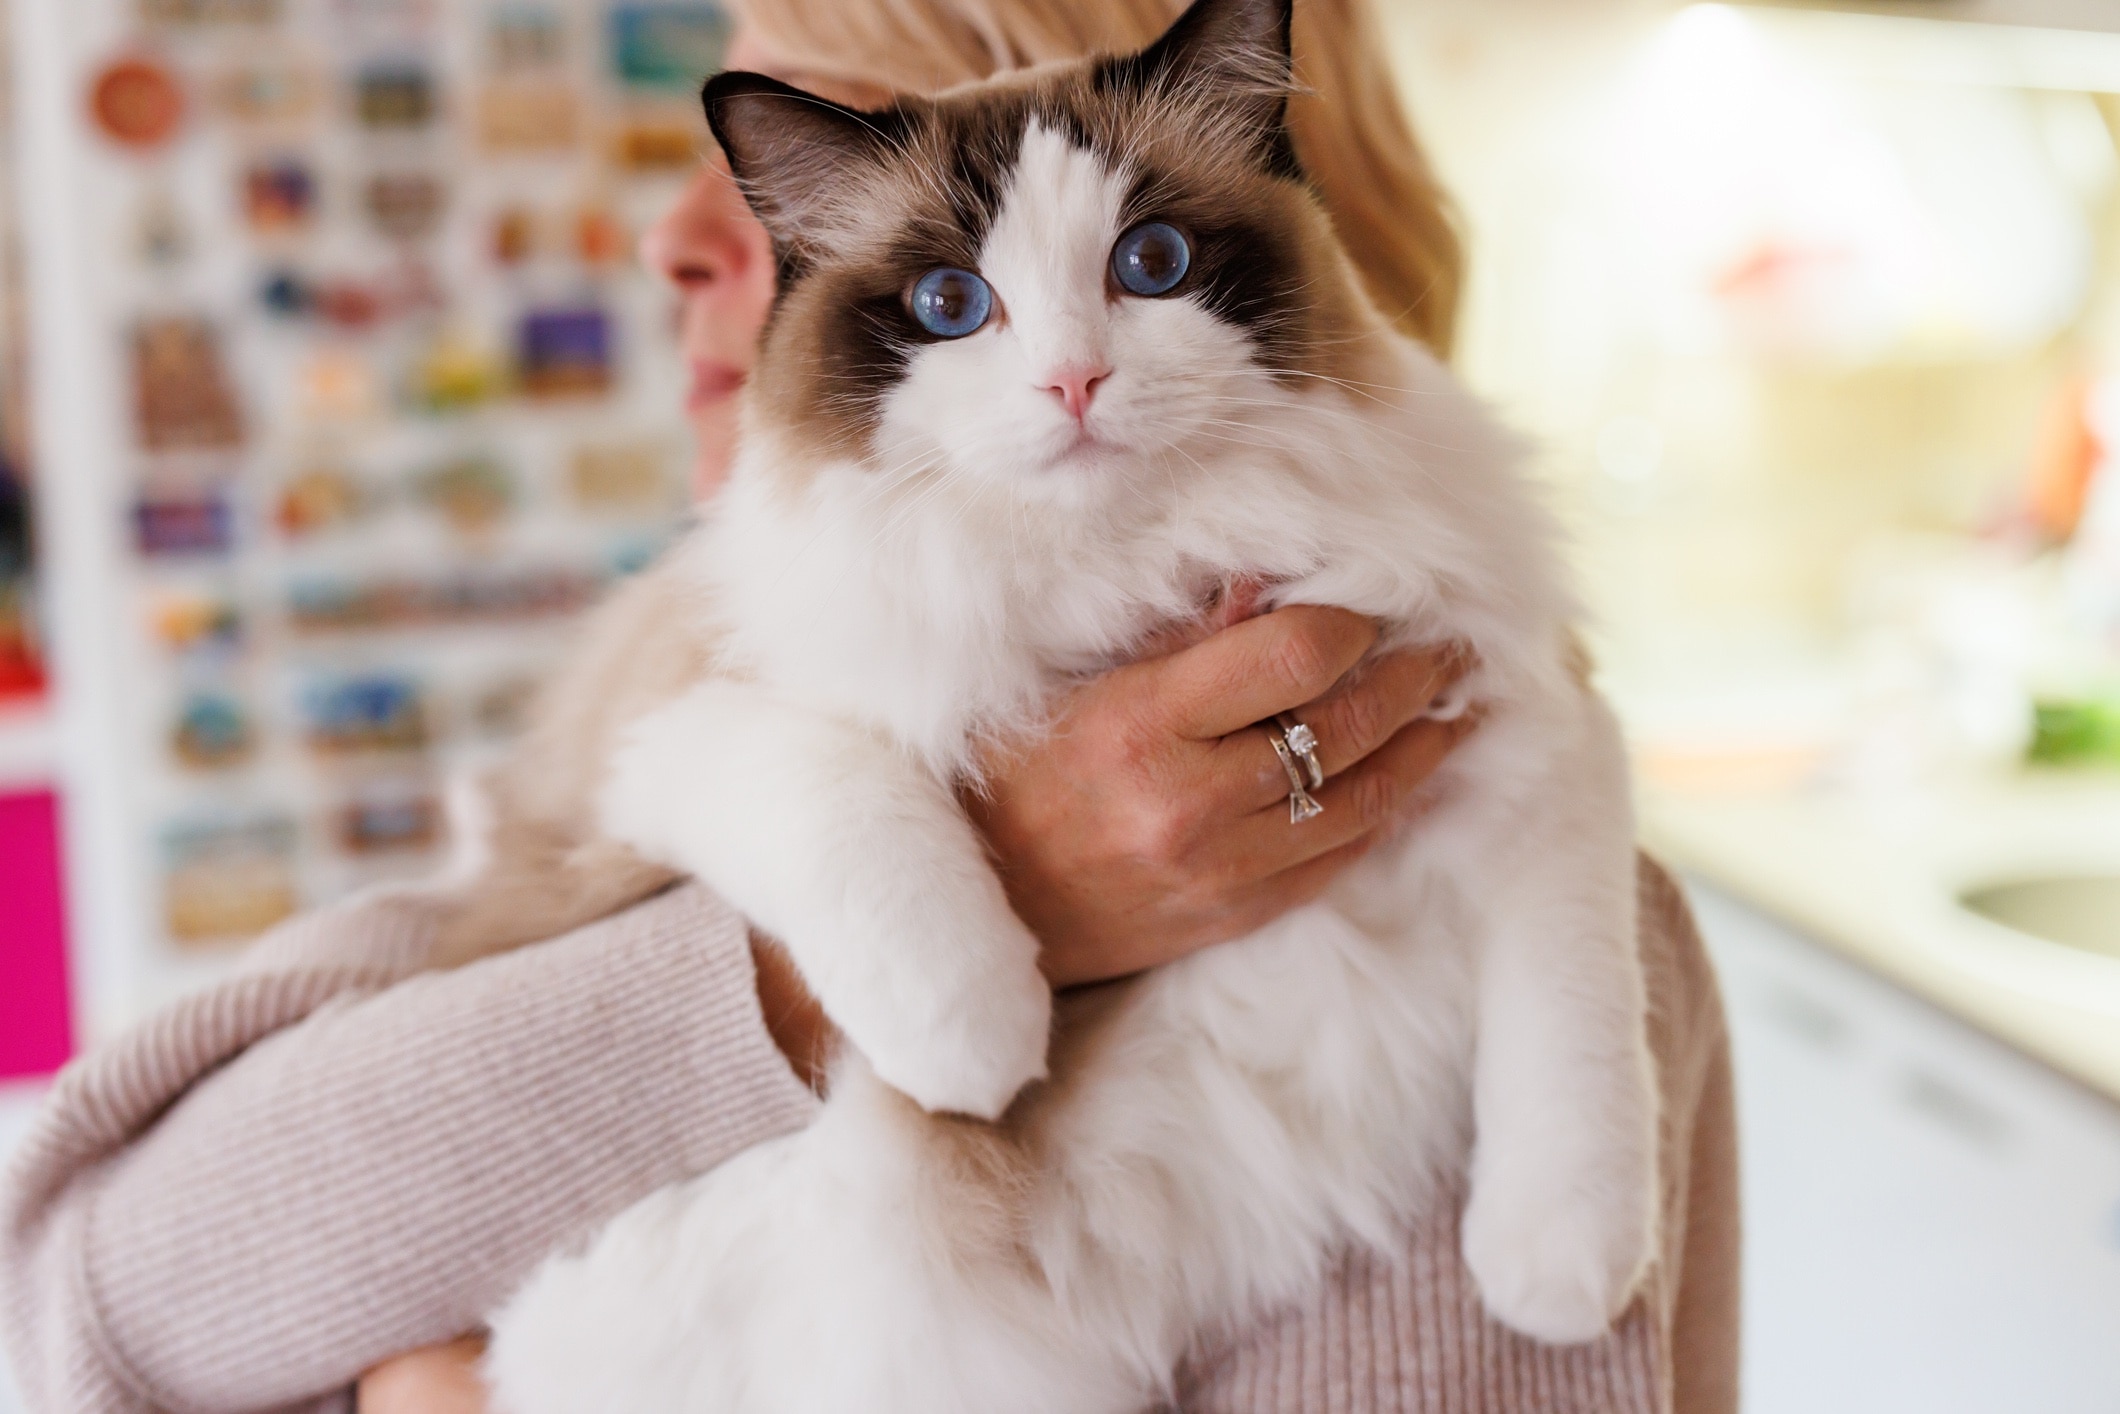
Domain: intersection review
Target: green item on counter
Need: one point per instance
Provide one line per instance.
(2076, 733)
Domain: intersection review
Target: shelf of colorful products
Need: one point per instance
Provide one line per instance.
(403, 403)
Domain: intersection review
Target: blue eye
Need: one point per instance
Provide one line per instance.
(1151, 259)
(951, 303)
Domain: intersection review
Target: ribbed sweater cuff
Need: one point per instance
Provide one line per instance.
(256, 1247)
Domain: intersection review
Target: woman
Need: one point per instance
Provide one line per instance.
(339, 1156)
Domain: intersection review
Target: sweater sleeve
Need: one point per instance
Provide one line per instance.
(324, 1161)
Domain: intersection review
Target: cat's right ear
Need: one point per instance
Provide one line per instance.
(792, 152)
(1233, 59)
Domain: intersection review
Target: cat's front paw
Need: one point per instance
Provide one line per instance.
(1555, 1260)
(971, 1052)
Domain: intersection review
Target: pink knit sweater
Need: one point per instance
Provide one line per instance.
(335, 1156)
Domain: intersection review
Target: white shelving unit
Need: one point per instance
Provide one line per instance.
(79, 447)
(16, 1105)
(28, 748)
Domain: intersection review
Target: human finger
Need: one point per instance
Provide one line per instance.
(1251, 670)
(1356, 717)
(1363, 799)
(439, 1379)
(1233, 603)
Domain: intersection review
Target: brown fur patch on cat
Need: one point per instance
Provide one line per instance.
(548, 870)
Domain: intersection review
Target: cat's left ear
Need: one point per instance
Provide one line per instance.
(1233, 57)
(794, 153)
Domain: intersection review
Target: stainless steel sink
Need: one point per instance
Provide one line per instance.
(2081, 913)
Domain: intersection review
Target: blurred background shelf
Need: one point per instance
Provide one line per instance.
(16, 1103)
(28, 746)
(354, 393)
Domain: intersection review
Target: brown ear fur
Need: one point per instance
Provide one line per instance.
(795, 155)
(1235, 55)
(550, 872)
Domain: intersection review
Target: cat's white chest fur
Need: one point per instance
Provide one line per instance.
(1463, 1012)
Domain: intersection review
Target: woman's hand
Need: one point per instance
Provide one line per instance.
(442, 1379)
(1153, 820)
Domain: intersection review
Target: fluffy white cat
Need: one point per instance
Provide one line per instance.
(1055, 355)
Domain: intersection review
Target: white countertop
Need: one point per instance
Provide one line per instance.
(1876, 874)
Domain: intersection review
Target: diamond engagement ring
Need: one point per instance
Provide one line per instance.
(1301, 804)
(1304, 743)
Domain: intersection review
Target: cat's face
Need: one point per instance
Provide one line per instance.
(1054, 282)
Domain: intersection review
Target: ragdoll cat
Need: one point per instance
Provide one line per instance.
(1054, 355)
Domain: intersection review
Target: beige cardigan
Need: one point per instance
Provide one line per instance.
(335, 1156)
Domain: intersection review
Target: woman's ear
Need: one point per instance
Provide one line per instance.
(794, 153)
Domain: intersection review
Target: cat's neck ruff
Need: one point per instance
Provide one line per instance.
(935, 605)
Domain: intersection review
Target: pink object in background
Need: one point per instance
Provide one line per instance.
(36, 1013)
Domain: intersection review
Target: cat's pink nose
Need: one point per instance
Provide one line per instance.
(1075, 385)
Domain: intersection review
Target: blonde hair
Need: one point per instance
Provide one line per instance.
(1349, 130)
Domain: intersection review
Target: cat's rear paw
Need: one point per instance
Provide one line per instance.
(987, 1044)
(1558, 1265)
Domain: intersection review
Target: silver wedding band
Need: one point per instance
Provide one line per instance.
(1295, 743)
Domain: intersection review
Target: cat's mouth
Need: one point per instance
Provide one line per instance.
(1081, 448)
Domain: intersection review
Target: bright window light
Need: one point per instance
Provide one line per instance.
(1914, 49)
